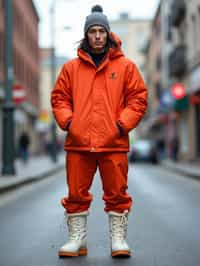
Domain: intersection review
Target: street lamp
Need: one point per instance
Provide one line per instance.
(8, 151)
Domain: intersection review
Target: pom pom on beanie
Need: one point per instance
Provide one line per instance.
(96, 18)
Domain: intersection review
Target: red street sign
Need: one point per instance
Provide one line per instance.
(19, 93)
(178, 91)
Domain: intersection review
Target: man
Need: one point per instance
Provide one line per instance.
(98, 98)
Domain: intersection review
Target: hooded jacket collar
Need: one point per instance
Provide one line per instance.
(112, 53)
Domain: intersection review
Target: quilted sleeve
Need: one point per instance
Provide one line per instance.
(135, 99)
(61, 99)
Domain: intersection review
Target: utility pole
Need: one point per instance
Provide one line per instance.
(8, 155)
(53, 77)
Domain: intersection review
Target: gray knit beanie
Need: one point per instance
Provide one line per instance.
(96, 18)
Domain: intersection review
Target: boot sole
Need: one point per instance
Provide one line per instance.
(121, 253)
(81, 252)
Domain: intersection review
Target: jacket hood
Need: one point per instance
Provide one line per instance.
(116, 52)
(113, 52)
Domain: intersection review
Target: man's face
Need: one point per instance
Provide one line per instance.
(97, 38)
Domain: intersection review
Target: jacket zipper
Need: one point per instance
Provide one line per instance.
(92, 149)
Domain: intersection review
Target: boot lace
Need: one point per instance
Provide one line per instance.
(76, 228)
(119, 227)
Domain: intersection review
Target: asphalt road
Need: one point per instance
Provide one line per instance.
(164, 225)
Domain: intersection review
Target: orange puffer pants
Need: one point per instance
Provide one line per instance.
(81, 168)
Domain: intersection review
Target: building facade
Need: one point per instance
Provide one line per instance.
(177, 118)
(133, 34)
(184, 66)
(193, 75)
(153, 75)
(25, 64)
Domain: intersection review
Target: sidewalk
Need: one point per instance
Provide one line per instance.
(191, 169)
(36, 169)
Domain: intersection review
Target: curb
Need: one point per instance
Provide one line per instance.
(180, 170)
(30, 179)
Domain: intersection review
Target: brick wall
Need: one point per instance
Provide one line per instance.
(25, 47)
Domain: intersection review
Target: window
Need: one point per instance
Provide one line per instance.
(158, 89)
(1, 4)
(1, 49)
(169, 29)
(194, 33)
(198, 26)
(158, 62)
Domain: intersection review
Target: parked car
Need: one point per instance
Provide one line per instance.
(143, 150)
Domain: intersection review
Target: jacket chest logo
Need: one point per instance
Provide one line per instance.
(113, 75)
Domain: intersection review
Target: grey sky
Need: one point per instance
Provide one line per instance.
(72, 13)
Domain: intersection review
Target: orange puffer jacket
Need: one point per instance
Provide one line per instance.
(98, 99)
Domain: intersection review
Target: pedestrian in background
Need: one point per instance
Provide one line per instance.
(98, 98)
(175, 148)
(24, 142)
(160, 146)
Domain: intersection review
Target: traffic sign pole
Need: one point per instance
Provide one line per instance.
(8, 155)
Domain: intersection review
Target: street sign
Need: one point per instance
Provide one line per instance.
(178, 91)
(166, 99)
(19, 93)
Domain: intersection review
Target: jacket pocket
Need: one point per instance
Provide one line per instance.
(109, 134)
(120, 130)
(78, 134)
